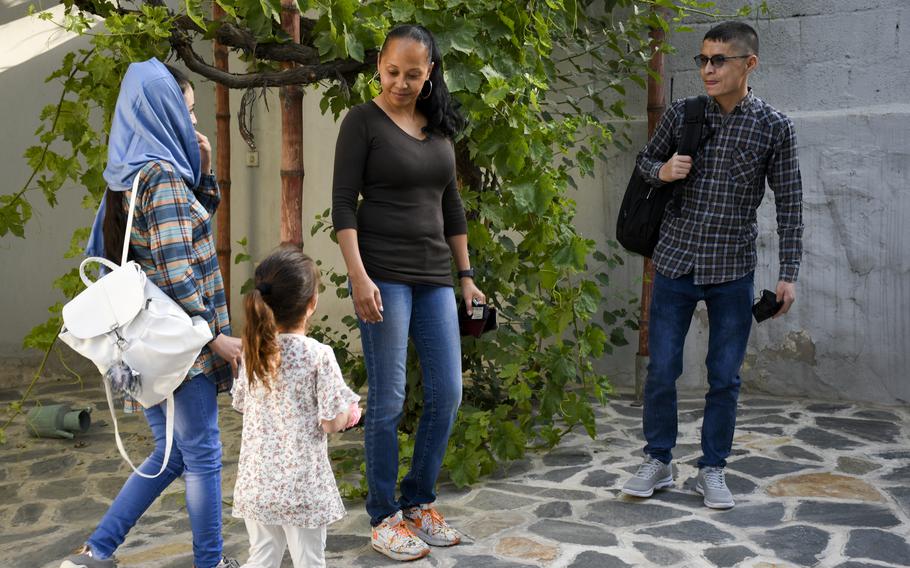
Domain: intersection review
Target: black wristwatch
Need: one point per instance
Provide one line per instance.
(469, 273)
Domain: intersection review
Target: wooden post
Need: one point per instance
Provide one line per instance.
(656, 107)
(223, 162)
(291, 141)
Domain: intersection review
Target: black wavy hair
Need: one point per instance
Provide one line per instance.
(440, 109)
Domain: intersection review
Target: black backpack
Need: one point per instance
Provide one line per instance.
(642, 210)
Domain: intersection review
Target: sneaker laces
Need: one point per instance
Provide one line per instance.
(401, 529)
(647, 469)
(436, 517)
(714, 477)
(439, 526)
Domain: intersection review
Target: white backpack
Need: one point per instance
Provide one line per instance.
(124, 318)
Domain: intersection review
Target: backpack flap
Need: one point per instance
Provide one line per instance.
(109, 303)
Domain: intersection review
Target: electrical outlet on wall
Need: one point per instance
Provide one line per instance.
(252, 159)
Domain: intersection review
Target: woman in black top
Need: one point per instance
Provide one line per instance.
(396, 152)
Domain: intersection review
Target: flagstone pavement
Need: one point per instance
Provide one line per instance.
(816, 484)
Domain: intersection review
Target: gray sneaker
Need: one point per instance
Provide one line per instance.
(227, 562)
(83, 558)
(652, 474)
(710, 482)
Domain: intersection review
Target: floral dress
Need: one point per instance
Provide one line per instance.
(284, 476)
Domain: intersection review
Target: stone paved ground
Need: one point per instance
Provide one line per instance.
(824, 484)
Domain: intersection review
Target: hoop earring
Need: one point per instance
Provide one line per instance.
(426, 96)
(373, 80)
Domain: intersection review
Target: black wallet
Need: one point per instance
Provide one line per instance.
(766, 307)
(481, 320)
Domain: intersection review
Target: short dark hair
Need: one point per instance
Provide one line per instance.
(738, 32)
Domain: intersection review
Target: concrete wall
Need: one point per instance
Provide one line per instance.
(30, 266)
(840, 71)
(256, 191)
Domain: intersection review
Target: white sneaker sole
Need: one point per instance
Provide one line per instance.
(432, 541)
(397, 555)
(662, 484)
(71, 564)
(711, 504)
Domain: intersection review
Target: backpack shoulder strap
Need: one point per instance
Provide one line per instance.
(693, 120)
(129, 221)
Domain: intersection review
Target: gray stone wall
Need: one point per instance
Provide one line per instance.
(841, 71)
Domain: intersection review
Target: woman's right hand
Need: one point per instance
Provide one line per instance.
(228, 348)
(367, 299)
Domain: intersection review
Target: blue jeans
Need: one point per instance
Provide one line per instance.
(729, 323)
(196, 455)
(428, 315)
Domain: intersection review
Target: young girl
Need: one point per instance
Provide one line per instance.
(291, 393)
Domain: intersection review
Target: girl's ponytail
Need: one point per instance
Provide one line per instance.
(261, 355)
(286, 283)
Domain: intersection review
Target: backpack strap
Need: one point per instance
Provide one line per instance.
(693, 120)
(168, 431)
(129, 221)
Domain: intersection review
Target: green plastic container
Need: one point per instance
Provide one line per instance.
(57, 421)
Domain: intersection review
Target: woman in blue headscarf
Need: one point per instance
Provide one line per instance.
(153, 136)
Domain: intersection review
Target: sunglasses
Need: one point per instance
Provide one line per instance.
(717, 61)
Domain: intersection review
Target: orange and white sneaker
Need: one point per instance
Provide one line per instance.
(428, 524)
(394, 538)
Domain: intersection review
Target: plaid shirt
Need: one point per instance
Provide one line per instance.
(172, 241)
(711, 232)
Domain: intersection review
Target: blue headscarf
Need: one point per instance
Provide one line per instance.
(151, 123)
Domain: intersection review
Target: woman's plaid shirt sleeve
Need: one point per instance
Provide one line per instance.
(170, 227)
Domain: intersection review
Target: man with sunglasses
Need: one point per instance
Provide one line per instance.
(707, 252)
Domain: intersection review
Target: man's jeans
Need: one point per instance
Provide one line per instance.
(729, 322)
(429, 316)
(195, 454)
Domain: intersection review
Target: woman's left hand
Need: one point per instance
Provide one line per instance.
(205, 152)
(470, 292)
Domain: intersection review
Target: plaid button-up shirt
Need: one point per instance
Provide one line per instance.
(711, 231)
(172, 241)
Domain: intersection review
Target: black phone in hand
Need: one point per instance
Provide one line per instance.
(767, 306)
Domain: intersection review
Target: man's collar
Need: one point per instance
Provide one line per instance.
(749, 102)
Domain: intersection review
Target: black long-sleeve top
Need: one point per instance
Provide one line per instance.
(410, 202)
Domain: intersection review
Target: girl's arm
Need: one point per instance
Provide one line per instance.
(238, 392)
(337, 403)
(343, 420)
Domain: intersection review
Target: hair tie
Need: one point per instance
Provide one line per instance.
(265, 288)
